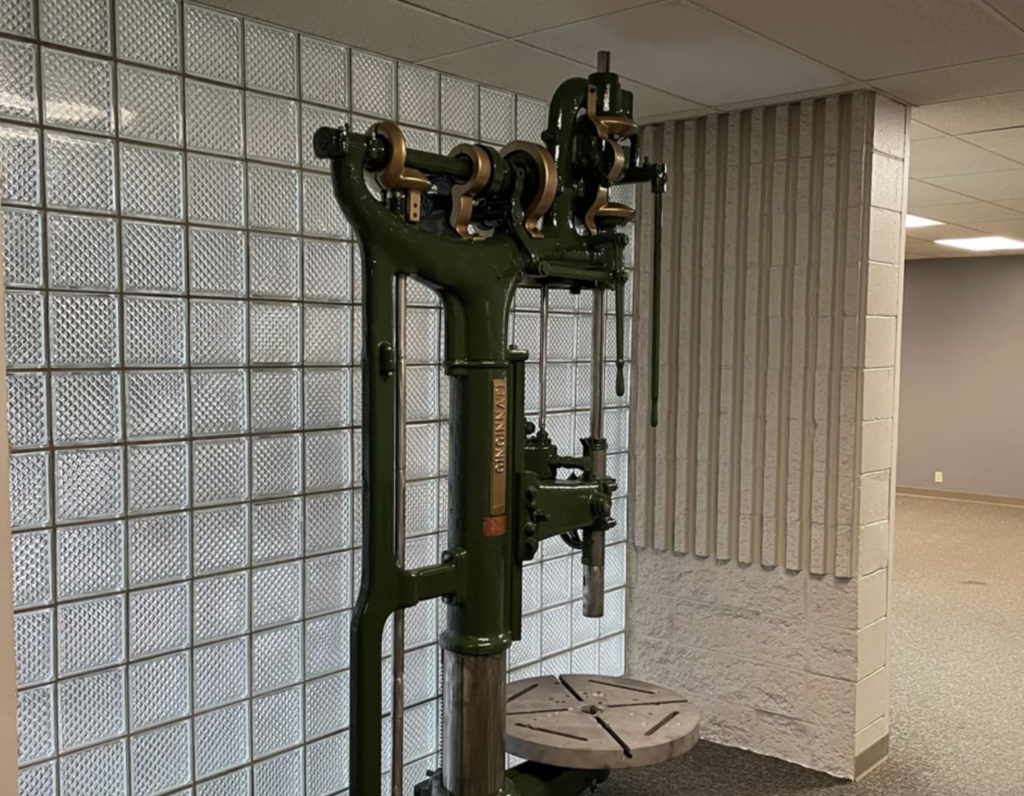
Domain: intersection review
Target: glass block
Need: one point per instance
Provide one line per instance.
(18, 97)
(270, 59)
(276, 529)
(615, 573)
(213, 45)
(327, 394)
(272, 129)
(313, 118)
(151, 183)
(24, 329)
(221, 673)
(421, 731)
(326, 335)
(276, 658)
(276, 466)
(22, 247)
(274, 334)
(276, 721)
(527, 649)
(82, 24)
(158, 690)
(86, 408)
(89, 483)
(421, 675)
(328, 521)
(217, 261)
(557, 582)
(373, 85)
(30, 489)
(421, 508)
(78, 92)
(328, 271)
(220, 607)
(38, 780)
(222, 739)
(33, 646)
(19, 162)
(324, 72)
(214, 116)
(147, 31)
(421, 624)
(613, 656)
(531, 119)
(218, 401)
(279, 776)
(220, 472)
(428, 142)
(417, 96)
(26, 410)
(161, 759)
(328, 463)
(422, 336)
(18, 17)
(276, 594)
(422, 393)
(276, 400)
(274, 266)
(459, 107)
(158, 548)
(556, 633)
(320, 212)
(327, 709)
(90, 559)
(154, 333)
(497, 115)
(326, 772)
(153, 256)
(216, 191)
(83, 330)
(156, 404)
(220, 539)
(149, 106)
(79, 172)
(35, 724)
(31, 555)
(614, 619)
(82, 252)
(421, 452)
(91, 708)
(95, 771)
(158, 620)
(328, 584)
(90, 634)
(273, 198)
(218, 333)
(236, 783)
(327, 644)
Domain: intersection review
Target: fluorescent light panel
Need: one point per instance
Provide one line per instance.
(992, 243)
(917, 221)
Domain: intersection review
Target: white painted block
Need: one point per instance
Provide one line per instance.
(873, 597)
(872, 698)
(831, 703)
(852, 295)
(890, 126)
(874, 497)
(873, 547)
(775, 291)
(876, 451)
(832, 651)
(833, 601)
(879, 342)
(782, 641)
(769, 554)
(851, 342)
(651, 614)
(883, 289)
(878, 393)
(871, 735)
(872, 647)
(823, 356)
(886, 234)
(887, 182)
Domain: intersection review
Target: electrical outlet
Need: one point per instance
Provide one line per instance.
(938, 476)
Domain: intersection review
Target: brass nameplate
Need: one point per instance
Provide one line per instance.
(499, 448)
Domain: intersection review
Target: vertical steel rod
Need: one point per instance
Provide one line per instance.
(398, 642)
(604, 61)
(593, 570)
(544, 357)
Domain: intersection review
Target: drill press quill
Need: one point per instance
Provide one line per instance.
(475, 225)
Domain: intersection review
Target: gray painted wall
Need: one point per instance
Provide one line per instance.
(962, 383)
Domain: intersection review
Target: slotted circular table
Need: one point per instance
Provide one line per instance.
(596, 722)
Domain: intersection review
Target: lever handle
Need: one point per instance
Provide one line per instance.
(658, 185)
(620, 334)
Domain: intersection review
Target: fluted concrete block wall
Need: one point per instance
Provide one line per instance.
(760, 504)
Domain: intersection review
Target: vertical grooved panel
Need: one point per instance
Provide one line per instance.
(704, 539)
(663, 515)
(717, 439)
(699, 134)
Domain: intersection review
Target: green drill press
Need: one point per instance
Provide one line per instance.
(475, 225)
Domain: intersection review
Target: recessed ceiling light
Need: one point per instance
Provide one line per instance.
(993, 243)
(917, 221)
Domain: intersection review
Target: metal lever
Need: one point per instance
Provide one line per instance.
(658, 185)
(620, 335)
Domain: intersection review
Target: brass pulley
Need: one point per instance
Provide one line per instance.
(547, 183)
(396, 176)
(609, 130)
(464, 193)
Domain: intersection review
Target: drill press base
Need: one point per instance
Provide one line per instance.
(594, 722)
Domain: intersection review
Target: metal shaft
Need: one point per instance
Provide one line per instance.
(604, 61)
(544, 357)
(398, 645)
(473, 754)
(593, 570)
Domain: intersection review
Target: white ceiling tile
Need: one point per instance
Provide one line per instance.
(1013, 9)
(1008, 143)
(974, 115)
(943, 157)
(996, 76)
(940, 232)
(969, 213)
(922, 248)
(387, 27)
(990, 187)
(1008, 229)
(872, 38)
(1013, 204)
(525, 16)
(793, 97)
(921, 132)
(690, 53)
(924, 195)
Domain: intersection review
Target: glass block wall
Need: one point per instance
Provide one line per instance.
(182, 346)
